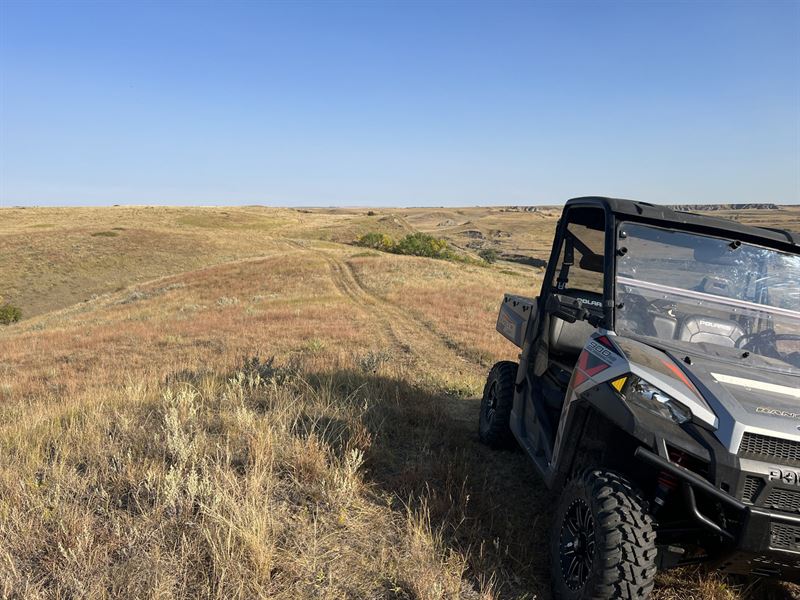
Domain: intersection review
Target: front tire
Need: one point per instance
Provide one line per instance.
(498, 399)
(603, 541)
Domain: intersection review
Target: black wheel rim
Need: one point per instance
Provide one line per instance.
(491, 402)
(577, 544)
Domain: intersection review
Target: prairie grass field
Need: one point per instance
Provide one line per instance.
(241, 403)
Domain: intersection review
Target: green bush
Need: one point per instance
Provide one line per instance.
(414, 244)
(378, 241)
(422, 244)
(489, 255)
(9, 314)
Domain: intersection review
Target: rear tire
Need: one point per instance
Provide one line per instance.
(498, 399)
(603, 542)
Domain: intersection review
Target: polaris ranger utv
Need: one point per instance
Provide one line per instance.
(658, 394)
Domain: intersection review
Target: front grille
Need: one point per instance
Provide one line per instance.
(785, 537)
(762, 447)
(784, 500)
(752, 487)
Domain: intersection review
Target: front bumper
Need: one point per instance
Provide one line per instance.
(767, 546)
(760, 542)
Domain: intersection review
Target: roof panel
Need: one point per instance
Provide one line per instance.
(686, 220)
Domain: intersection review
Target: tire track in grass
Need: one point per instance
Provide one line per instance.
(430, 350)
(455, 347)
(348, 287)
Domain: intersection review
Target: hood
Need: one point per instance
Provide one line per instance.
(747, 396)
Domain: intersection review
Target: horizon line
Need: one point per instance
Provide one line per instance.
(730, 205)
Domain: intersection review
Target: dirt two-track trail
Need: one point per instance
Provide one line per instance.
(427, 349)
(396, 327)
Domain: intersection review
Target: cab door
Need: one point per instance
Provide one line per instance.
(576, 270)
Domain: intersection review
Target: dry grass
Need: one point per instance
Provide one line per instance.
(141, 456)
(247, 486)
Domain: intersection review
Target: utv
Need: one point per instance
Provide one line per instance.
(658, 395)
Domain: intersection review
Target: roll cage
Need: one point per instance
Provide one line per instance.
(616, 210)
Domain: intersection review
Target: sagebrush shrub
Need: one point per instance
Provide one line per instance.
(373, 360)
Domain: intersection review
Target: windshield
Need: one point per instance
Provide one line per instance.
(695, 289)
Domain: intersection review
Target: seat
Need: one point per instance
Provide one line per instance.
(568, 339)
(710, 330)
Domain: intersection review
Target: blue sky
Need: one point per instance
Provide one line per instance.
(407, 103)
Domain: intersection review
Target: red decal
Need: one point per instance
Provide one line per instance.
(680, 375)
(578, 377)
(588, 366)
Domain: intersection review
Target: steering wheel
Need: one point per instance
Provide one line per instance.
(638, 302)
(765, 342)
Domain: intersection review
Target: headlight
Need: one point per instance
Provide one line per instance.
(644, 394)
